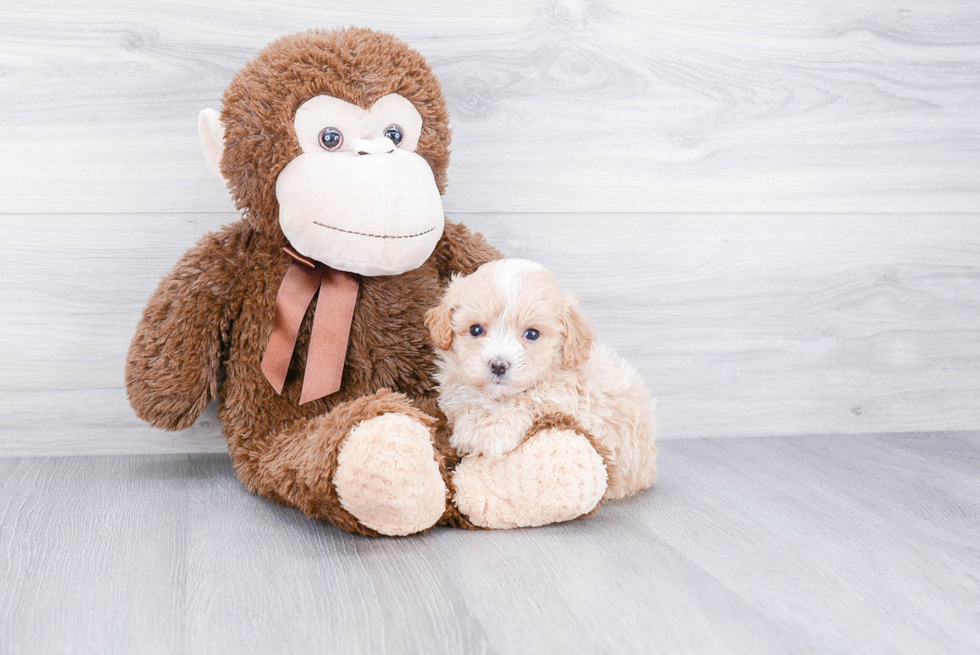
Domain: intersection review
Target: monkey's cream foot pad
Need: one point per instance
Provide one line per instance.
(388, 478)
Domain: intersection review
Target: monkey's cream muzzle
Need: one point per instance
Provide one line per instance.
(366, 207)
(372, 214)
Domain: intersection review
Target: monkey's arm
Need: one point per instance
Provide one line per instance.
(462, 251)
(173, 360)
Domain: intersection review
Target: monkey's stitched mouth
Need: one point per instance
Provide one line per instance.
(375, 236)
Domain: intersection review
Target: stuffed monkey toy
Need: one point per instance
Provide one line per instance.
(334, 145)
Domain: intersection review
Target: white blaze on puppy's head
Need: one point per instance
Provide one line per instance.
(507, 327)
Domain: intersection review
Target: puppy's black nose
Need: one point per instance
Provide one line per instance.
(498, 367)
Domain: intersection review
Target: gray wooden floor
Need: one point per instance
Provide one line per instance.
(839, 544)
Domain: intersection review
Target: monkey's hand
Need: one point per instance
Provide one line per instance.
(173, 360)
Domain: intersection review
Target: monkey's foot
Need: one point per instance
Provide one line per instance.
(555, 475)
(387, 476)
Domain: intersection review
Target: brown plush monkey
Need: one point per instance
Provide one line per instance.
(334, 145)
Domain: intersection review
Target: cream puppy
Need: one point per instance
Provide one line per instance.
(515, 348)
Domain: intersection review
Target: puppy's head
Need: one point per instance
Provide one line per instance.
(507, 327)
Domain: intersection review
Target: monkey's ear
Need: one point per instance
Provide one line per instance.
(578, 333)
(439, 320)
(211, 132)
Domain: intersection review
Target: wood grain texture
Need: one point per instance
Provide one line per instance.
(889, 522)
(742, 325)
(861, 544)
(558, 105)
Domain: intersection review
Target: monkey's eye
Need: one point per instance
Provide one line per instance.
(331, 138)
(531, 334)
(394, 132)
(477, 330)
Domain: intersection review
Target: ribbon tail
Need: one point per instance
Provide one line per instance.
(296, 292)
(331, 332)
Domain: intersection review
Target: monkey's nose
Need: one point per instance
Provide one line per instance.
(378, 146)
(498, 367)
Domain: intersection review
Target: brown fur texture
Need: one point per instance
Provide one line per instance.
(215, 309)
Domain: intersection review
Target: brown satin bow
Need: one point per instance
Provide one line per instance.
(331, 326)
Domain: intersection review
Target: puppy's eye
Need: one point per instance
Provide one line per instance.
(477, 330)
(531, 334)
(331, 138)
(394, 132)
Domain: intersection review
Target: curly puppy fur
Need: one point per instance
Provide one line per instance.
(516, 349)
(215, 309)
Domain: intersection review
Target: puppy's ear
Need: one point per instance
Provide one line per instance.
(578, 333)
(439, 320)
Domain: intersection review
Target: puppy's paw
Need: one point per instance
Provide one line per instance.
(554, 476)
(492, 435)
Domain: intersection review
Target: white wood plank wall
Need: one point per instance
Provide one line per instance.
(772, 208)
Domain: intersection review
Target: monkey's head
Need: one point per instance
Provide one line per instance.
(340, 140)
